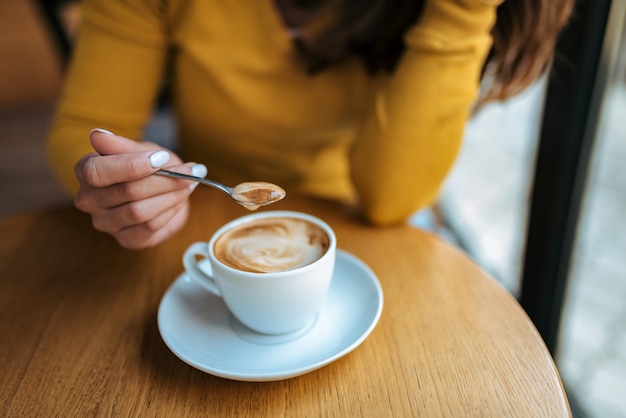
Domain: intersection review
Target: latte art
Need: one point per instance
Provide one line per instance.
(271, 244)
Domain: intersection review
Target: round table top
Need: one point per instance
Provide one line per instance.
(78, 319)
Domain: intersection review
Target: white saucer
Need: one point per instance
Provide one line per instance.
(198, 328)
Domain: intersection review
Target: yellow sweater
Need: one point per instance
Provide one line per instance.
(248, 112)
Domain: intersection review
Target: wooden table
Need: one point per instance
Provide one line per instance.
(79, 335)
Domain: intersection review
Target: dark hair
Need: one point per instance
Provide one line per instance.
(524, 37)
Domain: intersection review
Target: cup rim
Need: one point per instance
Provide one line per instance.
(332, 240)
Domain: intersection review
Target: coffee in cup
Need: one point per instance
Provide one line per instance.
(272, 269)
(271, 244)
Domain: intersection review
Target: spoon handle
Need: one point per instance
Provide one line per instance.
(167, 173)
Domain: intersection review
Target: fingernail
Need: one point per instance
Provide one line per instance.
(159, 159)
(103, 131)
(199, 170)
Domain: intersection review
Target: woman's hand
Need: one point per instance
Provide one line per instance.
(123, 198)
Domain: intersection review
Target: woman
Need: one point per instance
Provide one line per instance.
(350, 100)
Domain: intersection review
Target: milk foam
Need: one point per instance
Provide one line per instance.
(271, 244)
(251, 195)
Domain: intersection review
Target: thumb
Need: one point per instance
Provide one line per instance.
(107, 143)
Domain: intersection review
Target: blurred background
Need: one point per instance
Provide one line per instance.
(30, 78)
(485, 208)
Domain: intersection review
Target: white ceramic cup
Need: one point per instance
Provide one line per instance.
(269, 303)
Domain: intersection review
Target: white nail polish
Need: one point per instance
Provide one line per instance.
(103, 131)
(199, 170)
(193, 186)
(159, 159)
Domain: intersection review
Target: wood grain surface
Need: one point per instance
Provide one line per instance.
(79, 335)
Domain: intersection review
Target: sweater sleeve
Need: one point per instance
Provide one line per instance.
(113, 79)
(413, 134)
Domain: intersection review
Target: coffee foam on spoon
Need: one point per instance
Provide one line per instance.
(250, 193)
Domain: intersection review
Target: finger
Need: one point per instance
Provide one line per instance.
(107, 143)
(144, 235)
(115, 195)
(102, 171)
(138, 212)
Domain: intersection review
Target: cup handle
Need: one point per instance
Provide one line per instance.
(191, 266)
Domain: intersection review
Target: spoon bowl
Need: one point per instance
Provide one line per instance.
(250, 195)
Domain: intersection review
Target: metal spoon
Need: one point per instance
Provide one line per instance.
(251, 195)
